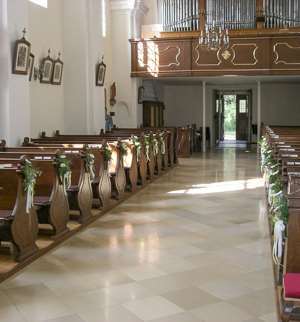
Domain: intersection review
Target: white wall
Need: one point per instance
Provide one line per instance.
(281, 103)
(46, 101)
(19, 111)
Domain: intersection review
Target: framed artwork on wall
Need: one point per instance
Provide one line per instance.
(57, 71)
(31, 65)
(21, 56)
(47, 69)
(100, 73)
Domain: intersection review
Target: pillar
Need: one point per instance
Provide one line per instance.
(204, 116)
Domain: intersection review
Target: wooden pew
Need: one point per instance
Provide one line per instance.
(50, 197)
(115, 167)
(80, 195)
(101, 185)
(170, 136)
(284, 143)
(18, 220)
(130, 168)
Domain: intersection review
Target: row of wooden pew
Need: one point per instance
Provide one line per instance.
(280, 163)
(50, 180)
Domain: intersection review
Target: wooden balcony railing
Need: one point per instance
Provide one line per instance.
(250, 52)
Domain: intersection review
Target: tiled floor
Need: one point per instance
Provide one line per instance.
(191, 247)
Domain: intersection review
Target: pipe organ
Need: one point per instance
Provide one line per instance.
(186, 15)
(179, 15)
(282, 13)
(231, 14)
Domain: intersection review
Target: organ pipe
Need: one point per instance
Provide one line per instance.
(182, 15)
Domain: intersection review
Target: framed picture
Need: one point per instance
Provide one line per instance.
(57, 71)
(100, 74)
(21, 57)
(31, 65)
(141, 94)
(47, 68)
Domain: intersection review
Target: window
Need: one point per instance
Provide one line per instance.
(243, 106)
(42, 3)
(103, 9)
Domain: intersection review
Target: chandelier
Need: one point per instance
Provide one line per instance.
(214, 38)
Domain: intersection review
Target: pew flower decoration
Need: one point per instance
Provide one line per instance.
(148, 145)
(161, 142)
(29, 175)
(123, 149)
(136, 142)
(62, 165)
(89, 163)
(107, 153)
(156, 146)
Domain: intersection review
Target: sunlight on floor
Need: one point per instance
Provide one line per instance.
(225, 186)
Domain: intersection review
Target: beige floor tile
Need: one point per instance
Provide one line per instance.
(109, 314)
(68, 318)
(262, 302)
(143, 272)
(10, 313)
(190, 298)
(181, 317)
(226, 289)
(152, 308)
(271, 317)
(221, 311)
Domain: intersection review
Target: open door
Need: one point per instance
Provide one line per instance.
(243, 118)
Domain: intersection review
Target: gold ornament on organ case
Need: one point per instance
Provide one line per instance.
(226, 54)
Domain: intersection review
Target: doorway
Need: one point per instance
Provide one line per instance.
(232, 118)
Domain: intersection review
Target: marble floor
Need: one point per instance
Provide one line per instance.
(193, 246)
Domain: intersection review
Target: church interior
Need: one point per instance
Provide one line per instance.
(149, 160)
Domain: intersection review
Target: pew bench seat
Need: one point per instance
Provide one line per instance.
(73, 189)
(291, 286)
(41, 201)
(5, 214)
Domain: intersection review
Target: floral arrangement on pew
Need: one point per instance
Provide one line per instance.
(29, 175)
(156, 146)
(89, 162)
(148, 145)
(107, 153)
(63, 167)
(136, 142)
(161, 143)
(276, 198)
(123, 149)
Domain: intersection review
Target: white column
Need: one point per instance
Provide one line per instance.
(126, 20)
(4, 71)
(204, 116)
(258, 109)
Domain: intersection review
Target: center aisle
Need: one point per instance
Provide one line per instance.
(193, 246)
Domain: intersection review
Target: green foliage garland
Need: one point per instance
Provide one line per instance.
(123, 149)
(107, 153)
(62, 165)
(29, 175)
(136, 142)
(89, 162)
(161, 143)
(271, 170)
